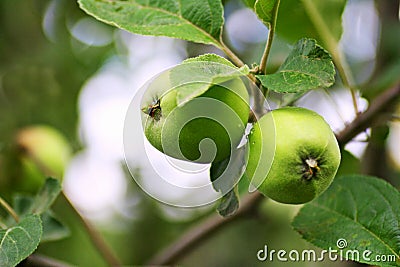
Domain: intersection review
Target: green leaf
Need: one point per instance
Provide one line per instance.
(20, 241)
(22, 204)
(307, 67)
(349, 164)
(249, 3)
(265, 10)
(210, 58)
(196, 75)
(294, 22)
(229, 203)
(53, 229)
(360, 211)
(192, 20)
(225, 175)
(388, 77)
(46, 196)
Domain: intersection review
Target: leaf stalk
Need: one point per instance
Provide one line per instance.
(332, 45)
(10, 210)
(271, 33)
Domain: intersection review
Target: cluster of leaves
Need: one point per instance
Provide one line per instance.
(36, 224)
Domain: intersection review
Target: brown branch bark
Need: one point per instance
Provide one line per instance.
(384, 102)
(36, 260)
(199, 233)
(203, 230)
(96, 238)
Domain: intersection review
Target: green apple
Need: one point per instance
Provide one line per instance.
(293, 154)
(205, 129)
(44, 150)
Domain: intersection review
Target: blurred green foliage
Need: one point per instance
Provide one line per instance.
(40, 79)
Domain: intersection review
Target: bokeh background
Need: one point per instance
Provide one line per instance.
(73, 78)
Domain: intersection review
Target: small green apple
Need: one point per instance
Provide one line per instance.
(205, 129)
(300, 150)
(43, 149)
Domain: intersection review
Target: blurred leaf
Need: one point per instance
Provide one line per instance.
(46, 196)
(249, 3)
(39, 204)
(290, 98)
(18, 242)
(349, 164)
(53, 229)
(224, 176)
(196, 75)
(22, 204)
(197, 21)
(357, 212)
(294, 22)
(229, 203)
(308, 66)
(389, 76)
(265, 10)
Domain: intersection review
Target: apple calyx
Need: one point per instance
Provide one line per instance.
(310, 168)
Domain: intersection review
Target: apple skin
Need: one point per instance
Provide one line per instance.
(219, 114)
(44, 148)
(301, 151)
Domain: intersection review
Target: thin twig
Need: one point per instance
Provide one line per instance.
(363, 121)
(36, 260)
(199, 233)
(271, 34)
(8, 208)
(395, 118)
(94, 236)
(2, 225)
(332, 45)
(235, 59)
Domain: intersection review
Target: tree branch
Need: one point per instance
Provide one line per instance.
(235, 59)
(95, 237)
(202, 231)
(381, 103)
(35, 260)
(97, 240)
(199, 233)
